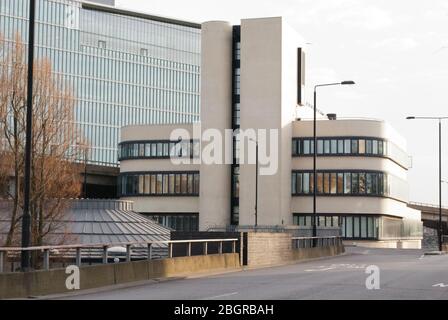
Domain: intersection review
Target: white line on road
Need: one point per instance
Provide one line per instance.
(324, 269)
(441, 285)
(221, 296)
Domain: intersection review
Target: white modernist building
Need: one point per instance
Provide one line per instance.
(252, 80)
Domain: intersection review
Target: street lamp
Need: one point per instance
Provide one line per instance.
(26, 218)
(348, 82)
(439, 119)
(256, 182)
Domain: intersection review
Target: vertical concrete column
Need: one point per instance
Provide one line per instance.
(216, 113)
(269, 82)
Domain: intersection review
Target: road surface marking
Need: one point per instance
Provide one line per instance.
(421, 257)
(221, 296)
(323, 269)
(441, 285)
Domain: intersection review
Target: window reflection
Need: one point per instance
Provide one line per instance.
(340, 183)
(159, 149)
(346, 146)
(183, 183)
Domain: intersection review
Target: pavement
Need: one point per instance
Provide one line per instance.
(403, 274)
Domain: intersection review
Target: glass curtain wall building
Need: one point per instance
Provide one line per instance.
(124, 67)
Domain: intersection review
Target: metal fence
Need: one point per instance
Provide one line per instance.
(102, 253)
(313, 242)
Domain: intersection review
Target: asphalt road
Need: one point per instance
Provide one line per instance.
(404, 274)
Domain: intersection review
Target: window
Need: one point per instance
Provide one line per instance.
(347, 183)
(320, 147)
(333, 186)
(339, 183)
(362, 183)
(180, 222)
(306, 147)
(369, 146)
(349, 227)
(354, 146)
(311, 182)
(320, 183)
(190, 184)
(356, 233)
(183, 183)
(347, 146)
(165, 183)
(334, 147)
(352, 226)
(294, 147)
(355, 183)
(147, 184)
(196, 183)
(326, 183)
(172, 182)
(327, 146)
(153, 184)
(375, 147)
(299, 183)
(159, 184)
(340, 146)
(294, 183)
(362, 146)
(306, 183)
(340, 188)
(369, 183)
(380, 148)
(158, 149)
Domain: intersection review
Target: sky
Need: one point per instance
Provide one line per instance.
(396, 52)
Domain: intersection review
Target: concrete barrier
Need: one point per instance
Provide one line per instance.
(312, 253)
(39, 283)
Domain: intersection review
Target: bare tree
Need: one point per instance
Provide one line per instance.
(56, 144)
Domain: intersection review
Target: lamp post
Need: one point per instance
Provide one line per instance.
(26, 218)
(439, 119)
(446, 182)
(349, 82)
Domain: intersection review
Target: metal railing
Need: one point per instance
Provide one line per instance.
(429, 205)
(312, 242)
(101, 252)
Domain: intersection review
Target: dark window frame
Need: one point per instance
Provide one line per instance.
(159, 184)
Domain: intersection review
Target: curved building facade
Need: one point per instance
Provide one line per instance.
(361, 181)
(160, 188)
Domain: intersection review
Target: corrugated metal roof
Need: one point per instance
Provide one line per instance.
(102, 221)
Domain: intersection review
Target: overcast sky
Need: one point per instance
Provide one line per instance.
(396, 51)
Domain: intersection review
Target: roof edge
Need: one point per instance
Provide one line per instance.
(115, 10)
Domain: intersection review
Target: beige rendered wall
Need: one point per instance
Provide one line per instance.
(216, 113)
(363, 205)
(165, 204)
(154, 204)
(348, 205)
(152, 132)
(268, 101)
